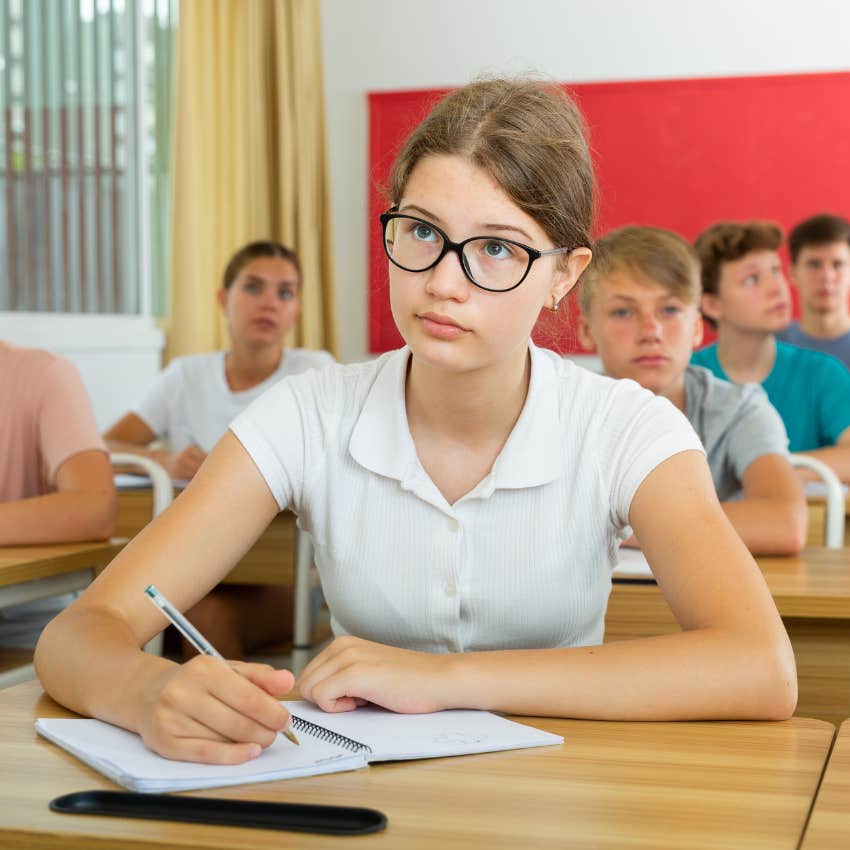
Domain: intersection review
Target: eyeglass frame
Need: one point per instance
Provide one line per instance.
(457, 247)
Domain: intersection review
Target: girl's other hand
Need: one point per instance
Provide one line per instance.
(183, 465)
(206, 711)
(351, 672)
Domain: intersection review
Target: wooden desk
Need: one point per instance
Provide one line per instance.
(28, 573)
(611, 785)
(33, 572)
(829, 824)
(271, 560)
(812, 593)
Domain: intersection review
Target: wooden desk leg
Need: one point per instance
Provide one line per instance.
(302, 627)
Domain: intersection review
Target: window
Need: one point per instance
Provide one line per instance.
(84, 153)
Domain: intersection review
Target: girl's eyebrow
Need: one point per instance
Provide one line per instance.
(416, 208)
(436, 219)
(252, 278)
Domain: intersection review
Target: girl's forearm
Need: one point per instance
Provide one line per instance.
(105, 675)
(64, 517)
(698, 674)
(769, 526)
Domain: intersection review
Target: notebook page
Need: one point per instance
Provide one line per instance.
(410, 736)
(123, 757)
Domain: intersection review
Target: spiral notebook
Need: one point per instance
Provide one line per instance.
(328, 743)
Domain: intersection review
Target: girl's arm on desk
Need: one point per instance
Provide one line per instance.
(132, 434)
(89, 657)
(733, 658)
(82, 507)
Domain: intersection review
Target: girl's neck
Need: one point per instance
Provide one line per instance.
(477, 407)
(824, 325)
(245, 367)
(744, 356)
(676, 393)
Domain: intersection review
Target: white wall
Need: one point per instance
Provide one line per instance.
(118, 356)
(375, 45)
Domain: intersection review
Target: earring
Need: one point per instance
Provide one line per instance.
(555, 305)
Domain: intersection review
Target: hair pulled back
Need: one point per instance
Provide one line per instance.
(253, 250)
(529, 137)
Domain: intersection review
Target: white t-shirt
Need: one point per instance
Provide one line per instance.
(522, 561)
(191, 403)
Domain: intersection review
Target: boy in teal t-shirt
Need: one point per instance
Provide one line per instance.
(746, 297)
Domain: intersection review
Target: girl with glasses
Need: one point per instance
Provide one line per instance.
(466, 494)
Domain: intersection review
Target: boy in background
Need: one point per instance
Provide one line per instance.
(820, 269)
(639, 302)
(746, 297)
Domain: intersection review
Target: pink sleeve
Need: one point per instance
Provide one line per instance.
(66, 420)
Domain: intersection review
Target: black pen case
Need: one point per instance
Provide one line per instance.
(297, 817)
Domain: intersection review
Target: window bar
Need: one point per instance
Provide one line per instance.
(9, 165)
(63, 159)
(47, 242)
(143, 248)
(82, 300)
(28, 231)
(97, 193)
(116, 211)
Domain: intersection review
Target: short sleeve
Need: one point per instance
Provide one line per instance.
(66, 424)
(156, 406)
(758, 430)
(272, 430)
(652, 430)
(833, 399)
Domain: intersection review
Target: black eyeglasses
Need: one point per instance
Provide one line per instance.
(494, 264)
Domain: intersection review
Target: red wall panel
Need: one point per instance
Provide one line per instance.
(673, 153)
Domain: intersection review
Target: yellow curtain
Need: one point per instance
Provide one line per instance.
(249, 160)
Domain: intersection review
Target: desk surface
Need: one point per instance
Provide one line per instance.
(829, 825)
(815, 583)
(25, 563)
(641, 785)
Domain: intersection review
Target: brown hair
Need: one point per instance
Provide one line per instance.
(728, 241)
(529, 136)
(818, 230)
(659, 255)
(263, 248)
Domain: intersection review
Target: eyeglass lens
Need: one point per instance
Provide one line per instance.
(493, 263)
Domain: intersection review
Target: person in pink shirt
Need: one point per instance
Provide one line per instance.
(55, 476)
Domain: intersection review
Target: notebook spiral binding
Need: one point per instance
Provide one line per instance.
(331, 737)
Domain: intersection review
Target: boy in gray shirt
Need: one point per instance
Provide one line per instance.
(639, 303)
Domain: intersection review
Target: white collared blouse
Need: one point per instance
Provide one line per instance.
(523, 560)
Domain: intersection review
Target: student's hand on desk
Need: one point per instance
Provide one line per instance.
(351, 672)
(182, 465)
(204, 711)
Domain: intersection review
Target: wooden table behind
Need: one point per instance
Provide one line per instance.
(271, 560)
(829, 824)
(27, 563)
(636, 785)
(812, 593)
(817, 520)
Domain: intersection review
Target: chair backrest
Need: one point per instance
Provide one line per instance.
(163, 495)
(833, 531)
(163, 490)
